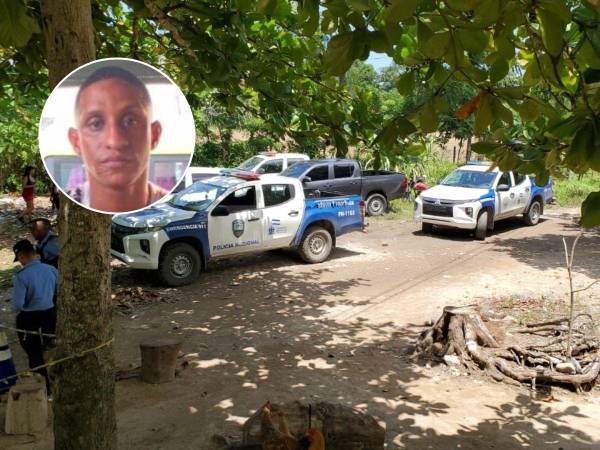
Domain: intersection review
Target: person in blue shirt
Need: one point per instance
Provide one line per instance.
(33, 297)
(46, 241)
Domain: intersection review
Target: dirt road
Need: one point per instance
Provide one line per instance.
(269, 327)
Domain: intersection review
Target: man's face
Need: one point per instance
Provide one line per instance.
(39, 230)
(114, 134)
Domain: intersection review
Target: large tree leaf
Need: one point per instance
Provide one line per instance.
(342, 50)
(484, 115)
(399, 127)
(552, 28)
(499, 70)
(577, 158)
(485, 148)
(16, 26)
(400, 10)
(436, 46)
(379, 42)
(310, 9)
(406, 83)
(359, 5)
(428, 117)
(266, 7)
(529, 110)
(474, 41)
(590, 210)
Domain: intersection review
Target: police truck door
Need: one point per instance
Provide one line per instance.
(282, 214)
(240, 230)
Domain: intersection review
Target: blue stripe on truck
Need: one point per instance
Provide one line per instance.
(340, 212)
(195, 227)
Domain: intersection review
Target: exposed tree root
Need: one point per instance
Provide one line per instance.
(462, 332)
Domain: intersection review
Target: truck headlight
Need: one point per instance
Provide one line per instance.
(151, 229)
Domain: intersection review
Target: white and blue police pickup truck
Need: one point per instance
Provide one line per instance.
(229, 215)
(474, 196)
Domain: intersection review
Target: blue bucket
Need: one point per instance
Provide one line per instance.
(7, 365)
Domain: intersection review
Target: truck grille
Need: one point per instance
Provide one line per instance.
(437, 210)
(118, 232)
(442, 208)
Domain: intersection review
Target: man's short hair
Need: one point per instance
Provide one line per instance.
(23, 247)
(110, 72)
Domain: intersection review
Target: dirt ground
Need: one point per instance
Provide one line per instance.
(270, 327)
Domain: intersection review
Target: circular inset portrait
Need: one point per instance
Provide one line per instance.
(116, 135)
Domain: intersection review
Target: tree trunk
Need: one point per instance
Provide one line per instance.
(84, 416)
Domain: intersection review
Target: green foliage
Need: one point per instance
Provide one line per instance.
(573, 189)
(533, 68)
(524, 75)
(16, 24)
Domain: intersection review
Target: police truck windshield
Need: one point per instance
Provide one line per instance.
(296, 170)
(251, 163)
(470, 179)
(197, 197)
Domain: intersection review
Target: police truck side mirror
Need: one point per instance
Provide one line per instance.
(306, 180)
(503, 188)
(220, 211)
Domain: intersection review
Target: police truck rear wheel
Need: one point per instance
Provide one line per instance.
(482, 226)
(316, 245)
(532, 216)
(179, 264)
(376, 205)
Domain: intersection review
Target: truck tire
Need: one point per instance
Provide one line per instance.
(532, 216)
(376, 205)
(316, 245)
(482, 226)
(179, 264)
(426, 228)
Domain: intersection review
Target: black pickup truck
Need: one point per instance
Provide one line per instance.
(377, 187)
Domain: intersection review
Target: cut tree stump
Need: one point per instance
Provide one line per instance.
(462, 332)
(27, 408)
(344, 428)
(159, 358)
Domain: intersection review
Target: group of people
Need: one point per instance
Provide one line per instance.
(35, 292)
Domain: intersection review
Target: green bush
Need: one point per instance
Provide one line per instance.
(572, 190)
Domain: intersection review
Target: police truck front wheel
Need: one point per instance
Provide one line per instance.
(179, 264)
(316, 245)
(482, 226)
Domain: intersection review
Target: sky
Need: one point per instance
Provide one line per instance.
(379, 60)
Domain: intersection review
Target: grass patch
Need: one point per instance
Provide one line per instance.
(573, 190)
(401, 209)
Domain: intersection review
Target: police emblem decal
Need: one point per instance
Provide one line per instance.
(237, 227)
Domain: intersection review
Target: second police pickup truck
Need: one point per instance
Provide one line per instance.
(228, 215)
(473, 197)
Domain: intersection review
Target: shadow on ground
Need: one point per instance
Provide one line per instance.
(528, 249)
(256, 332)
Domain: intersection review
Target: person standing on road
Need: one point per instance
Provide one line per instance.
(46, 241)
(34, 293)
(28, 192)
